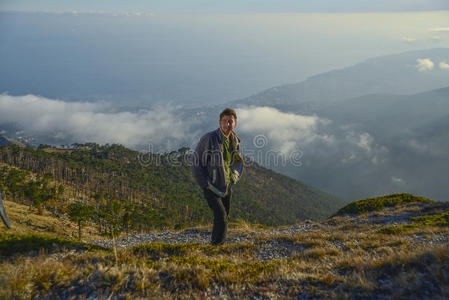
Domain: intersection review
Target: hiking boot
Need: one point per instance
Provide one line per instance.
(217, 244)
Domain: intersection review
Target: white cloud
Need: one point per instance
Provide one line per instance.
(440, 29)
(102, 13)
(283, 131)
(444, 65)
(352, 157)
(365, 141)
(424, 64)
(312, 135)
(357, 147)
(397, 179)
(91, 122)
(408, 40)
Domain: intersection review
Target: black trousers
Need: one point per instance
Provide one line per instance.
(220, 207)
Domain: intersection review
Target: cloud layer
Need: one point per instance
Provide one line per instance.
(284, 131)
(91, 122)
(408, 40)
(166, 128)
(440, 29)
(444, 65)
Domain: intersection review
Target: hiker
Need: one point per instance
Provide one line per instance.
(217, 165)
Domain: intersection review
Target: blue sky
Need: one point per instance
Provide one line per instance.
(229, 6)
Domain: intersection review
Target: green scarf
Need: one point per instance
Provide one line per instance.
(227, 151)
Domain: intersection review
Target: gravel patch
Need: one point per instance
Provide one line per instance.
(268, 244)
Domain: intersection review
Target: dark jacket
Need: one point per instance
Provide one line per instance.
(207, 160)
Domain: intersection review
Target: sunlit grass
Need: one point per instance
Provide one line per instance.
(340, 258)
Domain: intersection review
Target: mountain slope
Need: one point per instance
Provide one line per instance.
(434, 134)
(154, 191)
(390, 115)
(4, 140)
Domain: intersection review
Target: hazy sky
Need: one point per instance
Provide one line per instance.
(140, 52)
(195, 58)
(229, 6)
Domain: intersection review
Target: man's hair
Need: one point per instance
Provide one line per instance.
(228, 112)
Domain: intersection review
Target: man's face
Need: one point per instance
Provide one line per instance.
(227, 124)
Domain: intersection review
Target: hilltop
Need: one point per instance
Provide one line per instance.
(394, 246)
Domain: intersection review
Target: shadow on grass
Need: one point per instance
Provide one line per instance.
(33, 244)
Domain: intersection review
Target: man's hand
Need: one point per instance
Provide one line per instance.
(235, 176)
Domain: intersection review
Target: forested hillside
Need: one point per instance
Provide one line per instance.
(118, 189)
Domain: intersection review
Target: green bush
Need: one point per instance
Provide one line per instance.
(379, 203)
(418, 222)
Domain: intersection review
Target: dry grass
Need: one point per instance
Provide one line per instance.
(158, 270)
(26, 219)
(340, 258)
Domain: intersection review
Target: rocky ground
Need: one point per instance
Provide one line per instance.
(269, 246)
(266, 242)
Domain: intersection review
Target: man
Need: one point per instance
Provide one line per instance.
(218, 164)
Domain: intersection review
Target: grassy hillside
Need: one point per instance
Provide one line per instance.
(26, 220)
(342, 257)
(132, 192)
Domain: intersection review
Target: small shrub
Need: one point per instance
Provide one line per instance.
(418, 222)
(433, 220)
(379, 203)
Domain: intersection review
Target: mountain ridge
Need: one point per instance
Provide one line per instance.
(354, 81)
